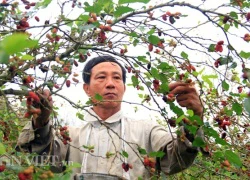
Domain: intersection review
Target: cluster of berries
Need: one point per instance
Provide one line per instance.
(65, 135)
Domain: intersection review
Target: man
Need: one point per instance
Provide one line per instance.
(102, 145)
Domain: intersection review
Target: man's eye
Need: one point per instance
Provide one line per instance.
(117, 77)
(101, 77)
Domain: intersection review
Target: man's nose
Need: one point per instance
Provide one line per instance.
(110, 83)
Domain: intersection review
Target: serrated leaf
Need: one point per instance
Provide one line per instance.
(153, 39)
(198, 142)
(225, 86)
(125, 154)
(184, 55)
(98, 97)
(133, 1)
(122, 10)
(233, 158)
(245, 55)
(158, 154)
(237, 108)
(16, 43)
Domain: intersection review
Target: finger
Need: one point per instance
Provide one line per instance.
(176, 84)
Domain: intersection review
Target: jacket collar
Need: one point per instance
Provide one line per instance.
(93, 117)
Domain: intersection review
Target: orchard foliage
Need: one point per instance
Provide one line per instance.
(199, 42)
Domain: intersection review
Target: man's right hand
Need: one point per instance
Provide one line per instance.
(45, 106)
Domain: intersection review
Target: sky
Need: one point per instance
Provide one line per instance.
(76, 93)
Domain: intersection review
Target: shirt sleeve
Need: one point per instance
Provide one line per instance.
(43, 142)
(179, 152)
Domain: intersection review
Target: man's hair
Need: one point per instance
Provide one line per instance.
(93, 62)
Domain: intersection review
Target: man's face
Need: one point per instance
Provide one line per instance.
(106, 80)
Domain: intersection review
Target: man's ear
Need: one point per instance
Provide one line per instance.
(86, 89)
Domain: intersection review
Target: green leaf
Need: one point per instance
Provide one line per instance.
(80, 115)
(27, 57)
(226, 27)
(177, 110)
(198, 142)
(2, 149)
(164, 88)
(94, 9)
(4, 57)
(133, 34)
(246, 104)
(159, 154)
(190, 112)
(225, 86)
(142, 151)
(245, 55)
(43, 4)
(221, 141)
(184, 55)
(206, 78)
(153, 39)
(154, 73)
(135, 81)
(98, 97)
(133, 1)
(233, 158)
(142, 59)
(234, 14)
(122, 10)
(16, 43)
(83, 18)
(179, 119)
(152, 31)
(237, 108)
(211, 48)
(125, 154)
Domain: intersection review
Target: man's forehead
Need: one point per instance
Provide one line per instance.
(102, 67)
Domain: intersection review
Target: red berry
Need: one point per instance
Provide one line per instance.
(37, 18)
(75, 63)
(68, 83)
(164, 17)
(56, 86)
(27, 7)
(220, 42)
(2, 168)
(150, 47)
(34, 96)
(248, 16)
(32, 4)
(21, 176)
